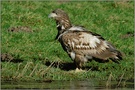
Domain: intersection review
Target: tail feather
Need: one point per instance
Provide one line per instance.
(118, 53)
(118, 57)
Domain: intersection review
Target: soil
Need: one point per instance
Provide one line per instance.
(127, 35)
(6, 57)
(20, 29)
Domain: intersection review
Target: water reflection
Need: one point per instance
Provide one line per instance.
(77, 85)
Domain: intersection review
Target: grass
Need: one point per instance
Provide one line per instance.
(42, 58)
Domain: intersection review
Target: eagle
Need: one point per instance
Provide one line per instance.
(82, 44)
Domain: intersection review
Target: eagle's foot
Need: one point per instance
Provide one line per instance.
(79, 70)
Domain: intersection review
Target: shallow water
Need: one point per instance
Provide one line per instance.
(77, 85)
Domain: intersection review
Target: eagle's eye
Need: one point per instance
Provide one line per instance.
(54, 12)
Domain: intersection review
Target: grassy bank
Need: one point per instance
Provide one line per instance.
(31, 53)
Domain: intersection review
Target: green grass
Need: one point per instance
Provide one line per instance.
(109, 19)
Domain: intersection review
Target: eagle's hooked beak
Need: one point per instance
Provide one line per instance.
(52, 15)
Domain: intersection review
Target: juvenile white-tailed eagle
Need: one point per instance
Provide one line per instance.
(81, 44)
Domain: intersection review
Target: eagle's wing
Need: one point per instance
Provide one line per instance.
(90, 44)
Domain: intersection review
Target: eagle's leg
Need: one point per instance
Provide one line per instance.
(79, 61)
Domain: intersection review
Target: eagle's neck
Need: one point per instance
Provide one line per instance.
(63, 23)
(60, 33)
(62, 26)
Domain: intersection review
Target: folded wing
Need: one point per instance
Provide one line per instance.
(89, 44)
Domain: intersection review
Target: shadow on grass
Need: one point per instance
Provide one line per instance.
(14, 60)
(66, 66)
(62, 65)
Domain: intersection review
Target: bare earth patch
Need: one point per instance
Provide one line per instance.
(127, 35)
(20, 29)
(9, 58)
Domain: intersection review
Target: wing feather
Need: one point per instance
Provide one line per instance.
(86, 41)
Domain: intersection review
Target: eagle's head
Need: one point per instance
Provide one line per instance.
(58, 14)
(62, 19)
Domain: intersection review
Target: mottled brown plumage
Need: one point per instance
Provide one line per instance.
(81, 44)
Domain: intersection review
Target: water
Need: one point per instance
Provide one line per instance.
(70, 85)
